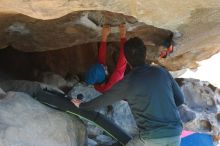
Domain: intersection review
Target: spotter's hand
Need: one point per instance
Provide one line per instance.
(76, 102)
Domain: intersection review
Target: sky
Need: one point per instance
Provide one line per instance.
(209, 70)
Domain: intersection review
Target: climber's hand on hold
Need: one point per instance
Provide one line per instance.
(164, 53)
(122, 30)
(105, 32)
(168, 49)
(76, 102)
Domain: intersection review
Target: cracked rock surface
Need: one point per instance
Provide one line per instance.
(26, 122)
(195, 24)
(202, 107)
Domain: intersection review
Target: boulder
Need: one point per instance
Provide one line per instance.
(47, 25)
(202, 107)
(27, 122)
(25, 86)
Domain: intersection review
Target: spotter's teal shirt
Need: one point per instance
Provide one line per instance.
(153, 96)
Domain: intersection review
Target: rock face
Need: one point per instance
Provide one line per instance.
(196, 25)
(64, 62)
(202, 109)
(28, 87)
(26, 122)
(34, 35)
(68, 45)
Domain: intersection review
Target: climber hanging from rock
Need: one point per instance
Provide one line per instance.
(97, 74)
(168, 46)
(153, 96)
